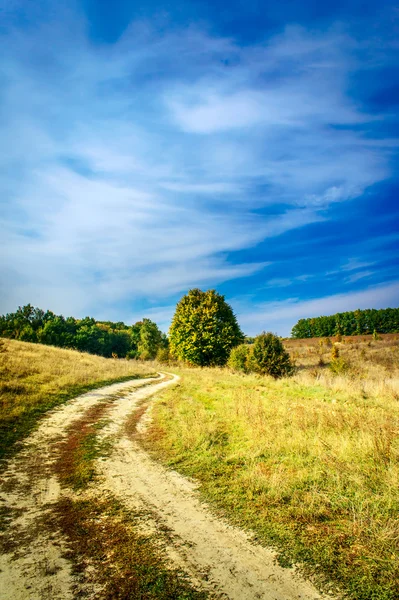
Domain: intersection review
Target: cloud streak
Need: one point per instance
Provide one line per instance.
(137, 170)
(281, 316)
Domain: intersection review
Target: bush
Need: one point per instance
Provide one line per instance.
(339, 366)
(163, 355)
(269, 356)
(239, 358)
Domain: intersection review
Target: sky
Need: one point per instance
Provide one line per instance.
(149, 148)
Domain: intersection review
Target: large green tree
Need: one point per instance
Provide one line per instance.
(204, 329)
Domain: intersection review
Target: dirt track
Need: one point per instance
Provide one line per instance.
(218, 557)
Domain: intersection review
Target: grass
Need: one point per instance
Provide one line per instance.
(75, 465)
(310, 463)
(36, 378)
(124, 564)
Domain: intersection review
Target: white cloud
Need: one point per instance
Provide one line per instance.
(353, 264)
(357, 276)
(279, 317)
(132, 171)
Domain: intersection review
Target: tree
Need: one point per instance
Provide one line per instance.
(269, 356)
(150, 340)
(204, 329)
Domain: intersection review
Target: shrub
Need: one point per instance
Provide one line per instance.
(339, 366)
(163, 355)
(239, 359)
(269, 356)
(146, 355)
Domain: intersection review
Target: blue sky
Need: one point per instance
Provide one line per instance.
(247, 146)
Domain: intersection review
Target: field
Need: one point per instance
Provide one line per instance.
(310, 463)
(35, 378)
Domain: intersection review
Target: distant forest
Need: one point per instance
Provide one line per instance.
(142, 340)
(357, 322)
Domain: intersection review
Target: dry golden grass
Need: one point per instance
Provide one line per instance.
(369, 368)
(35, 378)
(311, 463)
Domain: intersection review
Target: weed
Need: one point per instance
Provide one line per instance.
(125, 564)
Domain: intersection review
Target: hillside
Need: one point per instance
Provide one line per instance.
(310, 463)
(35, 378)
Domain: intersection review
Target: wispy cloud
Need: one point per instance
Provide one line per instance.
(353, 264)
(358, 276)
(281, 316)
(133, 171)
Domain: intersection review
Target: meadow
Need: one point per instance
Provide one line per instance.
(309, 463)
(35, 378)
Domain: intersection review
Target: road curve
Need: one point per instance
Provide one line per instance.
(220, 558)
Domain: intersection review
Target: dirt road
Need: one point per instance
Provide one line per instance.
(218, 558)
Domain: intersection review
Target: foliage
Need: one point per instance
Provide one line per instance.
(270, 357)
(339, 366)
(358, 322)
(204, 329)
(151, 339)
(163, 355)
(239, 359)
(104, 338)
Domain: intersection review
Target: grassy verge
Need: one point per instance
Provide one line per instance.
(310, 468)
(36, 378)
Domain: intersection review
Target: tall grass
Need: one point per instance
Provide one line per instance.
(311, 463)
(35, 378)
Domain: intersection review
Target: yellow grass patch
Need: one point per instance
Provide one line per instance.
(311, 463)
(35, 378)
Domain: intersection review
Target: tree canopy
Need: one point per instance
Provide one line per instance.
(204, 329)
(357, 322)
(105, 338)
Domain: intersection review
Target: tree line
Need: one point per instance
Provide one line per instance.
(204, 332)
(142, 340)
(357, 322)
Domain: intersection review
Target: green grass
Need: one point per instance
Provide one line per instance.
(312, 470)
